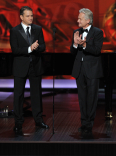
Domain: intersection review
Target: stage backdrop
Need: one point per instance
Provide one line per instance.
(62, 15)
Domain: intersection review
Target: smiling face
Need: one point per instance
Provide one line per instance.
(27, 17)
(82, 21)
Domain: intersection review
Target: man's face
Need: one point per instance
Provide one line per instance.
(82, 21)
(27, 17)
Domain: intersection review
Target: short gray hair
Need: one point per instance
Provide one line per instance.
(88, 14)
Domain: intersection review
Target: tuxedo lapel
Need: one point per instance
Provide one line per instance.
(21, 30)
(90, 34)
(80, 31)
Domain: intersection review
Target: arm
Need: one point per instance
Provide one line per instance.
(41, 42)
(95, 47)
(77, 42)
(73, 48)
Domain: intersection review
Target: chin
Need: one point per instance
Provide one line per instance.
(30, 22)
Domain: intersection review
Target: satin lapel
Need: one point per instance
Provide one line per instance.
(90, 34)
(21, 30)
(32, 33)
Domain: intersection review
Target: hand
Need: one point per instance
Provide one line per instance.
(34, 45)
(77, 38)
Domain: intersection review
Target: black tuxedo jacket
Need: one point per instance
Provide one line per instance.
(91, 55)
(19, 45)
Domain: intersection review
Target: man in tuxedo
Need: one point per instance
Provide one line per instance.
(27, 43)
(87, 68)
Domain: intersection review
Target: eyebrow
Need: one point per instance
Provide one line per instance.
(29, 15)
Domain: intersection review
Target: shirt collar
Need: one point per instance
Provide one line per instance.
(88, 28)
(25, 27)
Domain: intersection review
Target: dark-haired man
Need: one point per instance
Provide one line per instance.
(27, 43)
(87, 69)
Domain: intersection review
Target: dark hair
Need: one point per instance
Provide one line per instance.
(24, 8)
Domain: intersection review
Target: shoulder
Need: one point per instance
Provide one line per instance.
(16, 28)
(36, 26)
(97, 29)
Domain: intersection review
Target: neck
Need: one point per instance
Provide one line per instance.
(26, 24)
(85, 26)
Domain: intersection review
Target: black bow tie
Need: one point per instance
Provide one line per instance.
(84, 30)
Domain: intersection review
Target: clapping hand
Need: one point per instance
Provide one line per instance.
(78, 40)
(35, 45)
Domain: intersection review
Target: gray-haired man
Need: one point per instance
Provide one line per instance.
(87, 69)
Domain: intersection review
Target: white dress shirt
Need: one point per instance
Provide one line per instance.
(25, 29)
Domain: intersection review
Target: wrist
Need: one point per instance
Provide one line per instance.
(75, 44)
(84, 45)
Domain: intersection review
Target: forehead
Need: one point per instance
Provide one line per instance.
(81, 15)
(27, 12)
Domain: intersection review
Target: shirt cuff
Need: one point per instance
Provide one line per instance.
(29, 50)
(75, 46)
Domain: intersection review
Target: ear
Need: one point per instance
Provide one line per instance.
(21, 17)
(88, 21)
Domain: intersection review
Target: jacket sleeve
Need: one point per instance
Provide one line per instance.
(72, 49)
(41, 46)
